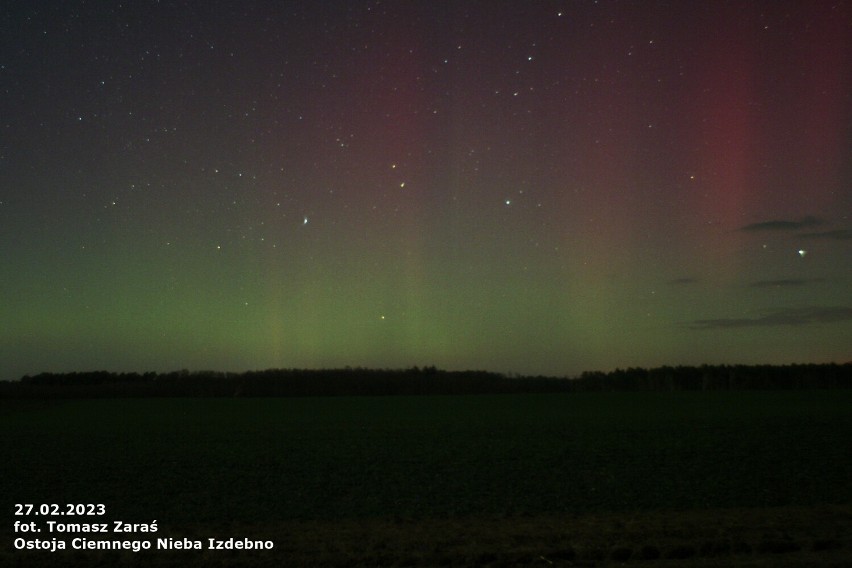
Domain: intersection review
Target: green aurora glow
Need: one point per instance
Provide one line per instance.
(537, 190)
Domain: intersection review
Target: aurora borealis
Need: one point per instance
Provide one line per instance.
(521, 187)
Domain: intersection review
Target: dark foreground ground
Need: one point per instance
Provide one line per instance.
(577, 479)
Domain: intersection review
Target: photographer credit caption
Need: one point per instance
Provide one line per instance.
(98, 533)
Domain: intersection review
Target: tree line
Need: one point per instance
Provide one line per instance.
(721, 377)
(421, 381)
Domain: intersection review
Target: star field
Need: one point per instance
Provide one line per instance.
(519, 187)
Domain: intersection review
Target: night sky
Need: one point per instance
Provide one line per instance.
(520, 187)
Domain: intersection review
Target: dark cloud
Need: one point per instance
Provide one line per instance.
(782, 283)
(780, 225)
(838, 235)
(683, 281)
(781, 317)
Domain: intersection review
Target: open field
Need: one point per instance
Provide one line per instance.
(742, 478)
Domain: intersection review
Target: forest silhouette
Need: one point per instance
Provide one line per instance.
(421, 381)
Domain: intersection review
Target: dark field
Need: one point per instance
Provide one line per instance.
(721, 478)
